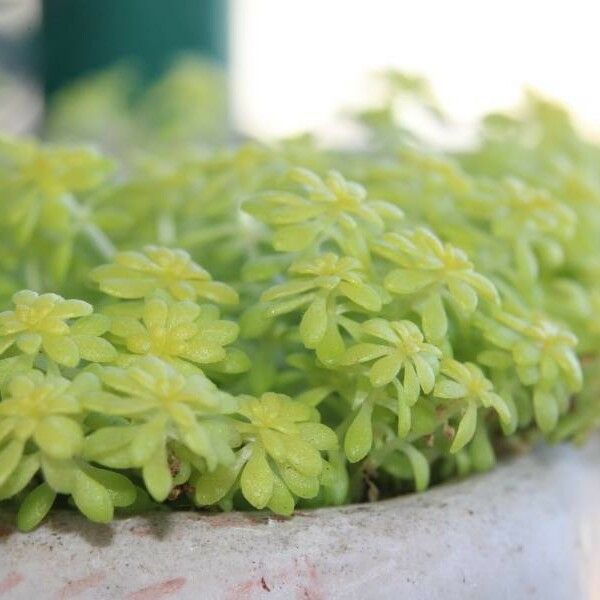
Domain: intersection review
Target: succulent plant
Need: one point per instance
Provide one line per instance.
(38, 323)
(137, 274)
(378, 320)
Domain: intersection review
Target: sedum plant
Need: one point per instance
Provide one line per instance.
(267, 327)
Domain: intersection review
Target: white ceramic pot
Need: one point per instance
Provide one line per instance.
(529, 529)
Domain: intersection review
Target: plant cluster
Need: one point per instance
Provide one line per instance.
(277, 326)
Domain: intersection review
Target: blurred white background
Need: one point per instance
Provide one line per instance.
(21, 103)
(296, 63)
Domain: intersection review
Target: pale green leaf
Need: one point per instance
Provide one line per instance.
(92, 498)
(466, 428)
(257, 480)
(359, 437)
(35, 507)
(314, 322)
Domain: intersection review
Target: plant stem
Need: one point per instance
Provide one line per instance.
(33, 275)
(166, 229)
(99, 241)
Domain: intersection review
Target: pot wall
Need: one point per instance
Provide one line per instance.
(529, 529)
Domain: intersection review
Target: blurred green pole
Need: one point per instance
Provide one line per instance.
(81, 36)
